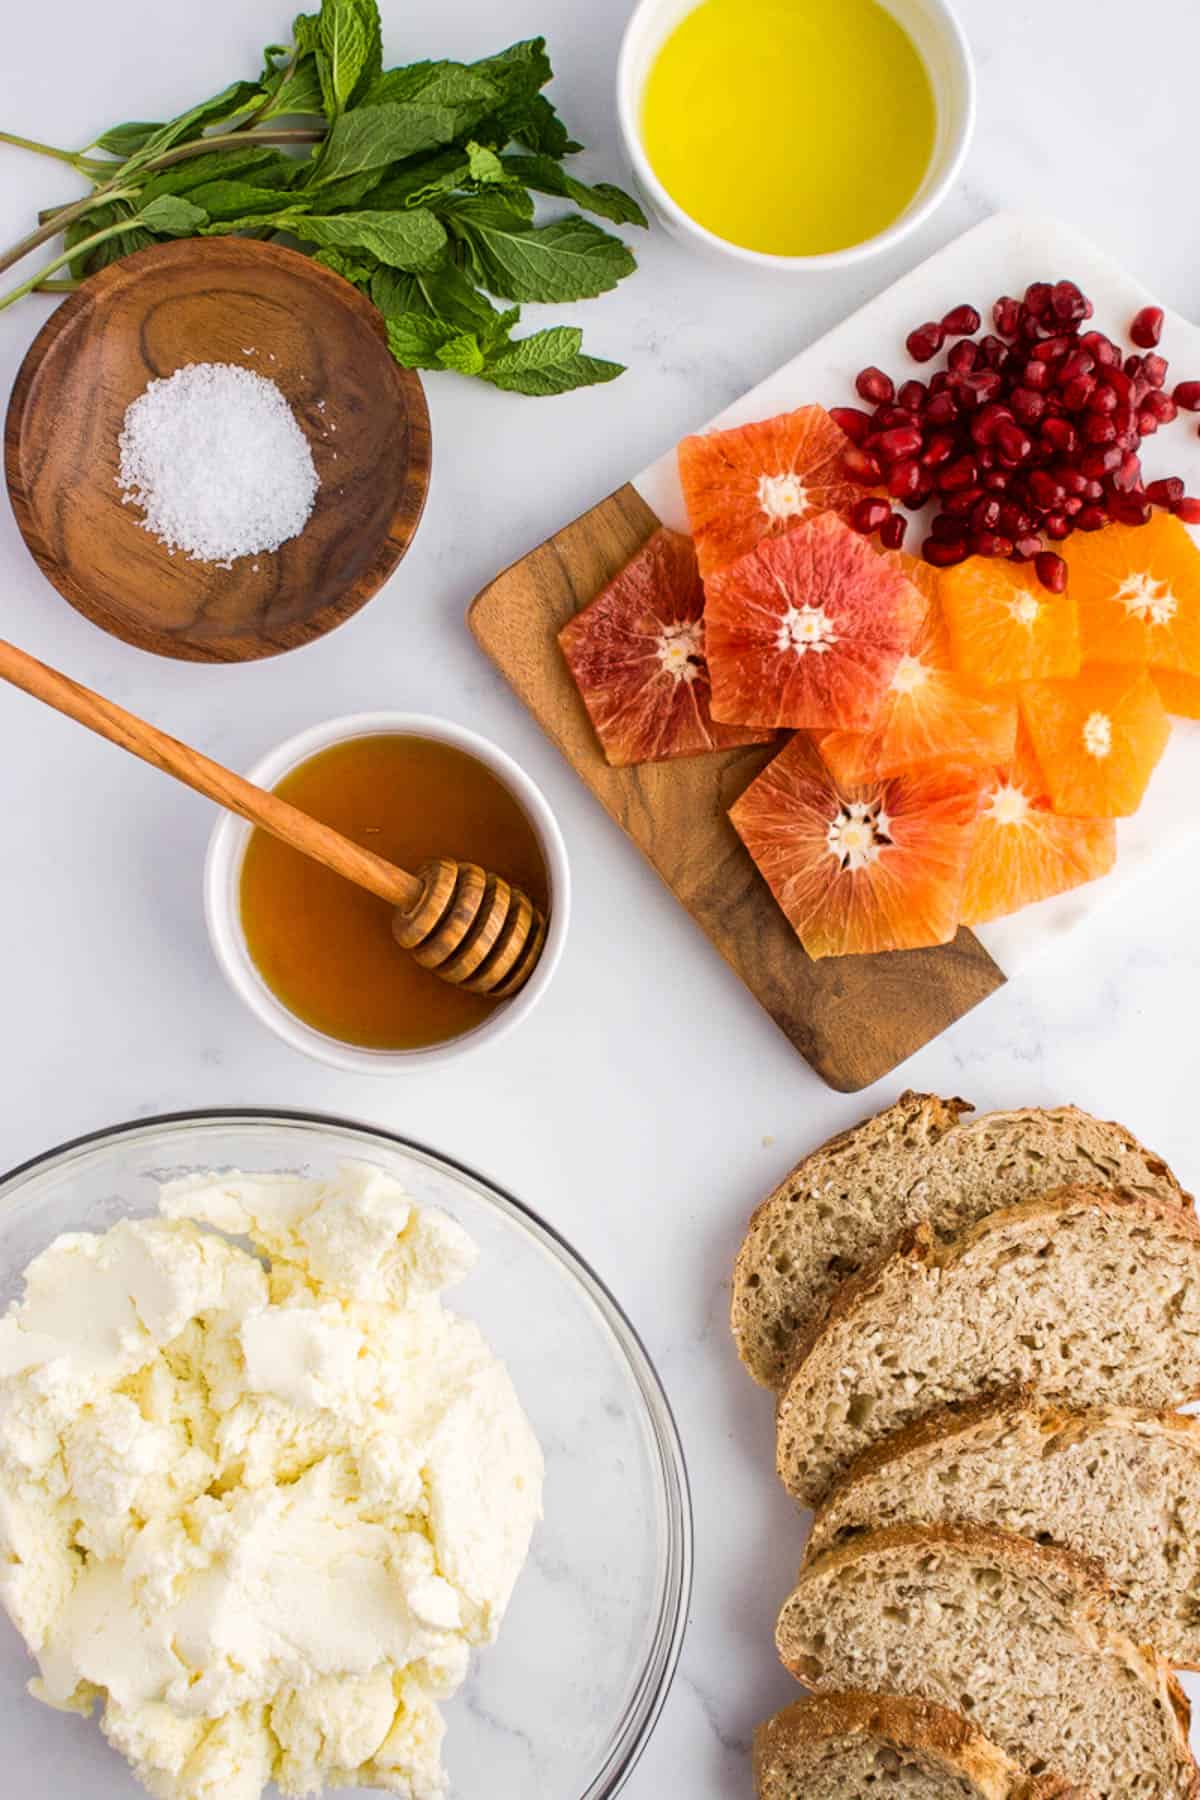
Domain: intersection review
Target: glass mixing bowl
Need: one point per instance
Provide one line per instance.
(561, 1706)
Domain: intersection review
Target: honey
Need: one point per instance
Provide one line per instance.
(323, 946)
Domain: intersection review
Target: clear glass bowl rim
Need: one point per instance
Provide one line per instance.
(654, 1684)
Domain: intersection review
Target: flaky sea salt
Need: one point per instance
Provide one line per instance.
(215, 458)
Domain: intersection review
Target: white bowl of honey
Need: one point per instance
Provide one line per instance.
(312, 956)
(795, 134)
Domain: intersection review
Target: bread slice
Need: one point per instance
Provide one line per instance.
(842, 1746)
(1006, 1631)
(1089, 1296)
(851, 1199)
(1112, 1481)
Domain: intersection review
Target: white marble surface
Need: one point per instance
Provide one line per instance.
(649, 1102)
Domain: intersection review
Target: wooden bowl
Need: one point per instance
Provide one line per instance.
(233, 301)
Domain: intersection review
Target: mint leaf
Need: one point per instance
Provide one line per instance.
(357, 269)
(172, 216)
(342, 51)
(371, 137)
(415, 339)
(463, 354)
(549, 362)
(569, 259)
(411, 240)
(417, 184)
(237, 98)
(518, 72)
(535, 123)
(126, 140)
(484, 166)
(234, 199)
(463, 92)
(114, 248)
(270, 169)
(511, 202)
(545, 176)
(295, 90)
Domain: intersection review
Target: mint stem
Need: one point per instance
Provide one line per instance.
(113, 190)
(83, 248)
(24, 143)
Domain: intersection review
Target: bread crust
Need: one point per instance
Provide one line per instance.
(908, 1725)
(1083, 1578)
(932, 1118)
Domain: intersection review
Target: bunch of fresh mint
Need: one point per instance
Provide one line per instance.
(402, 180)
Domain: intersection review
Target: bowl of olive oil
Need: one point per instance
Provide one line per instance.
(795, 134)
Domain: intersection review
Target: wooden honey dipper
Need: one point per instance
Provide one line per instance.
(470, 928)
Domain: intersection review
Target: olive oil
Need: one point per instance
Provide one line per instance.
(793, 127)
(323, 946)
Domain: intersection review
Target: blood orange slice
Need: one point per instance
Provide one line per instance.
(1097, 739)
(1005, 626)
(878, 866)
(807, 630)
(1023, 851)
(1137, 588)
(929, 711)
(757, 481)
(1180, 694)
(637, 655)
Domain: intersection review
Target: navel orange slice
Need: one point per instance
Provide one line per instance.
(1097, 738)
(1005, 626)
(1180, 694)
(929, 710)
(755, 481)
(808, 629)
(1137, 588)
(637, 655)
(875, 866)
(1023, 850)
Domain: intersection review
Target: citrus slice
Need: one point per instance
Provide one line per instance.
(1137, 588)
(929, 711)
(876, 866)
(1097, 738)
(757, 481)
(637, 655)
(1005, 626)
(1023, 850)
(808, 629)
(1180, 694)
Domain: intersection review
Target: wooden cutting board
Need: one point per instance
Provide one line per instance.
(853, 1018)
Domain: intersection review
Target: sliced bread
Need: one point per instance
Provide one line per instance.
(1088, 1296)
(843, 1746)
(1120, 1484)
(918, 1160)
(1006, 1631)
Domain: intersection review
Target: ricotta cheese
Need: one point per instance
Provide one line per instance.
(260, 1491)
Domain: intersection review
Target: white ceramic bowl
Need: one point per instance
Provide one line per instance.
(939, 38)
(223, 873)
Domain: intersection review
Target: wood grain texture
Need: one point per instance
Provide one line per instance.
(216, 300)
(852, 1018)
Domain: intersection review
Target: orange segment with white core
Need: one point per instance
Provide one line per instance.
(1180, 694)
(858, 869)
(1005, 626)
(755, 481)
(808, 630)
(930, 711)
(1137, 588)
(1097, 739)
(1023, 850)
(637, 656)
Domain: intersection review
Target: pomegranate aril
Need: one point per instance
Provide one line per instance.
(1079, 362)
(990, 543)
(1187, 395)
(1161, 405)
(1044, 491)
(943, 555)
(1099, 429)
(1051, 349)
(904, 440)
(891, 532)
(1146, 327)
(1038, 296)
(1077, 393)
(904, 479)
(1038, 375)
(1147, 424)
(1013, 444)
(912, 396)
(962, 503)
(861, 466)
(939, 448)
(873, 385)
(1128, 509)
(1057, 525)
(1154, 368)
(1188, 510)
(1101, 460)
(985, 514)
(1072, 506)
(1103, 399)
(942, 408)
(1167, 492)
(1068, 302)
(958, 474)
(1091, 518)
(996, 480)
(988, 420)
(961, 321)
(1026, 548)
(1060, 435)
(961, 358)
(1013, 521)
(869, 514)
(1051, 571)
(1126, 478)
(1006, 316)
(948, 528)
(1103, 349)
(924, 343)
(1028, 405)
(993, 352)
(854, 423)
